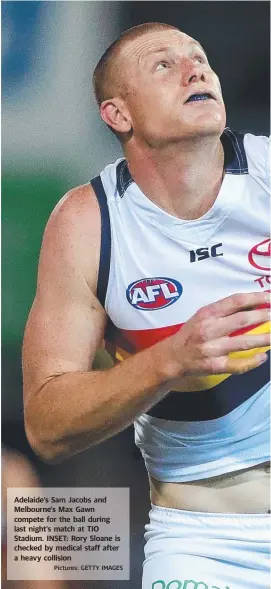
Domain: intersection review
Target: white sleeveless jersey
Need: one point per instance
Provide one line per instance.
(155, 272)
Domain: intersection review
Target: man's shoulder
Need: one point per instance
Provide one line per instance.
(74, 227)
(77, 210)
(77, 201)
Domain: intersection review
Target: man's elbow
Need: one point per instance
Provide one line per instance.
(43, 431)
(47, 450)
(44, 450)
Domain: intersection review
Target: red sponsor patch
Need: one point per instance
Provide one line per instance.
(259, 255)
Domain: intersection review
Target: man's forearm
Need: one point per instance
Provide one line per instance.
(76, 410)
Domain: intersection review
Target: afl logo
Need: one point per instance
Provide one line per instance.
(151, 294)
(259, 255)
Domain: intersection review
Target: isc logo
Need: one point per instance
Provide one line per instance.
(149, 294)
(202, 253)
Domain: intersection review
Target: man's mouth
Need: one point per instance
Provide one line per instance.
(197, 97)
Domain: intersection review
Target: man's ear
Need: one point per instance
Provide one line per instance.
(115, 113)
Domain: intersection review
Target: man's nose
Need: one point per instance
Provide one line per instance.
(192, 72)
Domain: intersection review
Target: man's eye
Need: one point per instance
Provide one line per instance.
(161, 65)
(200, 58)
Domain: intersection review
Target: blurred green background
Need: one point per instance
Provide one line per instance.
(27, 203)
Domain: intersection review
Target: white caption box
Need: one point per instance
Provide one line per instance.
(68, 533)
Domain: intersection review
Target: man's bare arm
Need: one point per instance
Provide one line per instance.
(68, 407)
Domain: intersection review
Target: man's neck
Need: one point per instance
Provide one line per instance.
(183, 179)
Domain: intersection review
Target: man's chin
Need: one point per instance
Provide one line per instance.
(205, 126)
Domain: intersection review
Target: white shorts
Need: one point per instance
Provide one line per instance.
(191, 550)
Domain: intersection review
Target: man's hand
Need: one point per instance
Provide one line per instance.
(206, 343)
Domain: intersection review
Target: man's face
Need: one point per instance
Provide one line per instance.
(161, 70)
